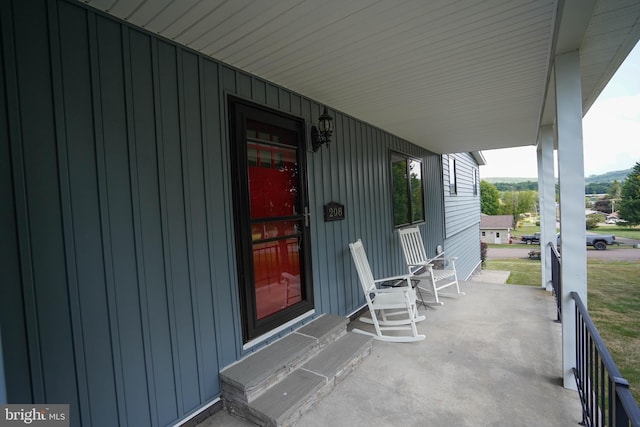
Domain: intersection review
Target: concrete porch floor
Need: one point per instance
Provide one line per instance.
(491, 358)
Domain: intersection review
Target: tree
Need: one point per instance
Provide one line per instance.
(517, 203)
(629, 206)
(603, 205)
(615, 189)
(489, 198)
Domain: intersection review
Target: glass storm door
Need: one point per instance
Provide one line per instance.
(271, 217)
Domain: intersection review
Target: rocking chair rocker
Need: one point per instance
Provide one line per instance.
(386, 303)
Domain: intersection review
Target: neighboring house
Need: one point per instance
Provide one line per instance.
(496, 228)
(164, 210)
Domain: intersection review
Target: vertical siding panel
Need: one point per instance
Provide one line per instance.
(371, 243)
(132, 133)
(99, 132)
(172, 208)
(322, 171)
(228, 329)
(285, 100)
(356, 230)
(47, 306)
(340, 229)
(230, 354)
(343, 255)
(259, 90)
(244, 85)
(327, 156)
(196, 224)
(187, 316)
(296, 103)
(85, 213)
(151, 235)
(130, 353)
(197, 157)
(12, 223)
(273, 93)
(212, 161)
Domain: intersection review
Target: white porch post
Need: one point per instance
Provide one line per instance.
(547, 201)
(572, 219)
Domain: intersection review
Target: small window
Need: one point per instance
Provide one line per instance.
(484, 234)
(407, 190)
(453, 186)
(475, 182)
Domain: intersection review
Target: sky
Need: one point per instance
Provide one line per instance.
(610, 131)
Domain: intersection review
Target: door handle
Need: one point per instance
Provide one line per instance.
(306, 215)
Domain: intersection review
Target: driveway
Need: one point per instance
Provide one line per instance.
(625, 253)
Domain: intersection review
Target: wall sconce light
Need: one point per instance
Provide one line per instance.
(322, 134)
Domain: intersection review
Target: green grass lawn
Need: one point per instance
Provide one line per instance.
(613, 301)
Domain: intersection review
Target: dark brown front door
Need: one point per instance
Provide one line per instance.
(270, 207)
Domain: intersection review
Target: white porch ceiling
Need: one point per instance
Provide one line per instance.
(449, 76)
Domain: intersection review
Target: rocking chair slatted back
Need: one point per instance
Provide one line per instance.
(412, 247)
(363, 267)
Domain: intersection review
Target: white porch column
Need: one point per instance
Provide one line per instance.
(572, 219)
(547, 201)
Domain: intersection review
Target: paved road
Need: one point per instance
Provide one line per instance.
(521, 251)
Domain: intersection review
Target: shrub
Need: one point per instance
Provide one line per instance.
(593, 220)
(483, 253)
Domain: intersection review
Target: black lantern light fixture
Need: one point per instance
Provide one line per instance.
(322, 134)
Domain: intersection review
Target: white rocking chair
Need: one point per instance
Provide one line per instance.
(423, 268)
(386, 303)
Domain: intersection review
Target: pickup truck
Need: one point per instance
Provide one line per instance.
(598, 241)
(531, 238)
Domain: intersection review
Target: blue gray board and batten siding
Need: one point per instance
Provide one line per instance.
(119, 291)
(462, 215)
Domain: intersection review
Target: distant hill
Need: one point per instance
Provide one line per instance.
(509, 180)
(603, 178)
(609, 176)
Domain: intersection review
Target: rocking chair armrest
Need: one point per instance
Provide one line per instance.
(420, 269)
(402, 277)
(392, 290)
(389, 279)
(425, 264)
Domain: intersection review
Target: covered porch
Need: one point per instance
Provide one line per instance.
(491, 357)
(123, 258)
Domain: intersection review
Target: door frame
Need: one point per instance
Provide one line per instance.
(239, 111)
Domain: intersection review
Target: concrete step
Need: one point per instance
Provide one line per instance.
(295, 383)
(284, 403)
(253, 375)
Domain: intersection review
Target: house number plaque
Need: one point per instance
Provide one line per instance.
(333, 211)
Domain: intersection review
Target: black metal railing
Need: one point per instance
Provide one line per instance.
(604, 393)
(556, 280)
